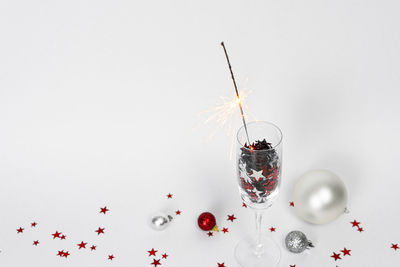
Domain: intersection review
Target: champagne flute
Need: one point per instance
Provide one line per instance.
(259, 171)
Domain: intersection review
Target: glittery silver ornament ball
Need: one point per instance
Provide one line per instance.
(297, 242)
(160, 221)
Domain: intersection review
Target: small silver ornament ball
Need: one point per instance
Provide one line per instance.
(297, 242)
(160, 221)
(320, 196)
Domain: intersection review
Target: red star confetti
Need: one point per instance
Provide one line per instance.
(169, 195)
(20, 230)
(360, 229)
(292, 265)
(56, 235)
(33, 224)
(111, 257)
(336, 256)
(355, 223)
(82, 245)
(244, 205)
(100, 231)
(178, 212)
(231, 218)
(210, 233)
(156, 262)
(225, 230)
(221, 264)
(104, 210)
(346, 252)
(60, 253)
(165, 255)
(63, 237)
(395, 246)
(36, 242)
(152, 252)
(66, 254)
(272, 229)
(93, 247)
(292, 205)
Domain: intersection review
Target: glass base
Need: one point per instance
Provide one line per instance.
(248, 255)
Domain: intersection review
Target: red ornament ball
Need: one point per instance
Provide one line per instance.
(206, 221)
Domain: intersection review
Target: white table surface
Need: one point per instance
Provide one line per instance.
(99, 104)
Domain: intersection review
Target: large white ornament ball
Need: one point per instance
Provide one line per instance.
(320, 196)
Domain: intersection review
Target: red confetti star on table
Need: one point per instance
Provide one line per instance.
(169, 195)
(292, 205)
(60, 253)
(292, 265)
(66, 254)
(111, 257)
(244, 205)
(336, 256)
(395, 246)
(104, 210)
(221, 264)
(165, 255)
(231, 218)
(100, 231)
(360, 229)
(225, 230)
(56, 235)
(36, 242)
(82, 245)
(20, 230)
(210, 233)
(178, 212)
(33, 224)
(156, 262)
(152, 252)
(346, 252)
(272, 229)
(63, 237)
(355, 223)
(93, 247)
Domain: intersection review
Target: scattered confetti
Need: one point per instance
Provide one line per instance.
(360, 229)
(355, 223)
(36, 242)
(63, 237)
(111, 257)
(152, 252)
(33, 224)
(346, 252)
(221, 264)
(292, 205)
(210, 233)
(165, 255)
(100, 231)
(104, 210)
(20, 230)
(169, 195)
(244, 205)
(272, 229)
(156, 262)
(60, 253)
(225, 230)
(395, 246)
(336, 256)
(178, 212)
(82, 245)
(56, 235)
(93, 247)
(231, 218)
(292, 265)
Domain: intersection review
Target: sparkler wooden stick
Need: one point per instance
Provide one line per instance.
(237, 93)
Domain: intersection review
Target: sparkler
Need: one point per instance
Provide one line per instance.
(237, 93)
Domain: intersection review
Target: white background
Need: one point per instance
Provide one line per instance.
(99, 104)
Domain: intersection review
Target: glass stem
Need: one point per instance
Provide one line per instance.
(259, 249)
